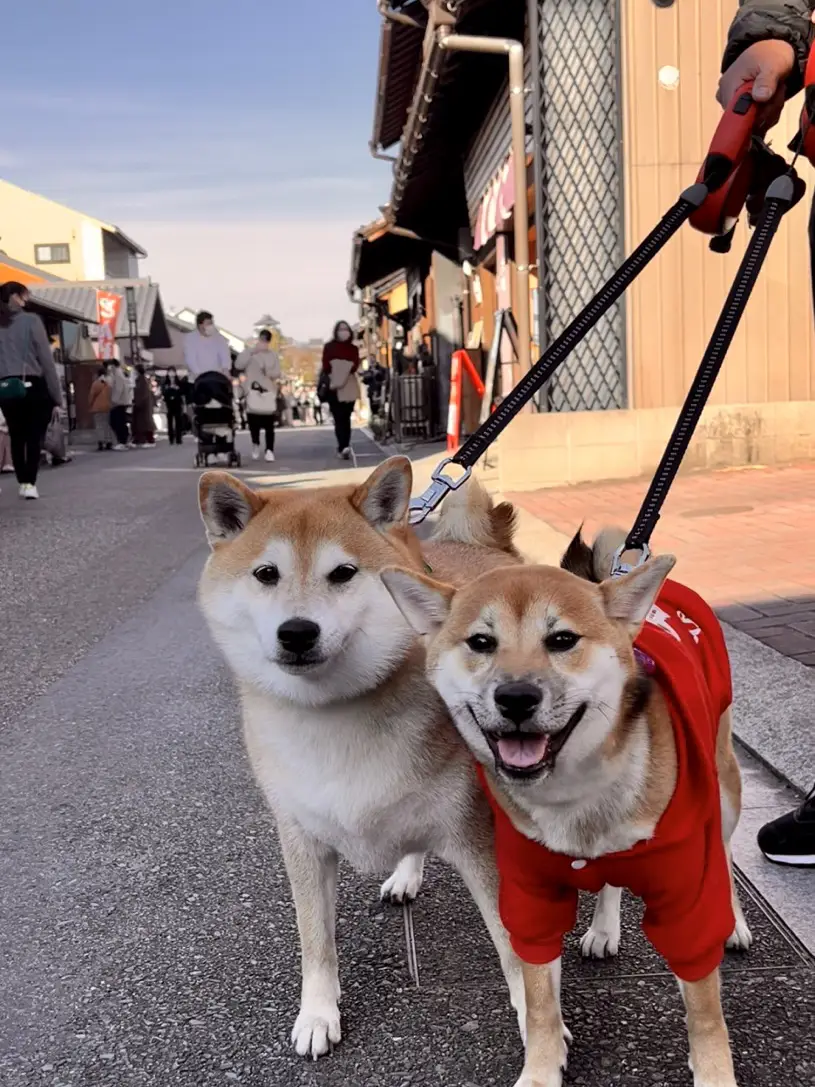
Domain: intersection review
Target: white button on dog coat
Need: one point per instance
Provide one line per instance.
(577, 865)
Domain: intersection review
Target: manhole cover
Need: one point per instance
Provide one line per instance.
(717, 511)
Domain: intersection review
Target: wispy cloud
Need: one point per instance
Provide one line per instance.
(234, 147)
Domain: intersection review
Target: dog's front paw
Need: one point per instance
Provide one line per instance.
(601, 943)
(406, 882)
(317, 1028)
(542, 1079)
(535, 1081)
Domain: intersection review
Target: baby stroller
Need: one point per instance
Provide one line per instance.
(214, 419)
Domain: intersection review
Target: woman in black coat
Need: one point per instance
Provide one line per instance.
(173, 396)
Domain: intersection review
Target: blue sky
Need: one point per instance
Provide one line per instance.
(230, 139)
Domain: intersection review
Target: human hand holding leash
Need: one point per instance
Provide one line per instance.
(769, 65)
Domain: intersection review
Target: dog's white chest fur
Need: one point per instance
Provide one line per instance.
(348, 783)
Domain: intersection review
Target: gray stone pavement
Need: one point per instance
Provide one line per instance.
(147, 934)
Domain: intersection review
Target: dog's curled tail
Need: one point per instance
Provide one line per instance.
(593, 563)
(469, 516)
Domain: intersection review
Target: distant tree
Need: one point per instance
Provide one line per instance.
(301, 362)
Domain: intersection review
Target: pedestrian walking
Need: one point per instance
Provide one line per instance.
(188, 399)
(240, 400)
(205, 349)
(768, 44)
(6, 463)
(172, 393)
(340, 365)
(99, 407)
(261, 366)
(316, 408)
(144, 436)
(30, 390)
(121, 397)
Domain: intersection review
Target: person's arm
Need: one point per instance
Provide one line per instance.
(274, 371)
(242, 361)
(189, 359)
(769, 43)
(326, 360)
(42, 349)
(355, 352)
(224, 356)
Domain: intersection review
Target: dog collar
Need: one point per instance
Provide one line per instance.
(646, 663)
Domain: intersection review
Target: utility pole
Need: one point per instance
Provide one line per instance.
(133, 325)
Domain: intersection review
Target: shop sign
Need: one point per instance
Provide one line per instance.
(496, 205)
(108, 305)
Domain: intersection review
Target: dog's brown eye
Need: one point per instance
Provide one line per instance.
(561, 641)
(482, 643)
(343, 574)
(267, 575)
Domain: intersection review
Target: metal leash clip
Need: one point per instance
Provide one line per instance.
(620, 568)
(410, 942)
(440, 486)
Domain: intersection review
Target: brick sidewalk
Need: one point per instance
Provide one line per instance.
(745, 540)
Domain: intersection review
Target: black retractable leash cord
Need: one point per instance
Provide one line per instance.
(779, 199)
(730, 174)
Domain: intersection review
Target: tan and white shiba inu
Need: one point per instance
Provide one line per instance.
(353, 749)
(598, 713)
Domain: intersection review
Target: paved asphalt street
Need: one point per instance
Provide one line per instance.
(147, 935)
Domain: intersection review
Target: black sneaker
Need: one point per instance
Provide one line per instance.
(791, 839)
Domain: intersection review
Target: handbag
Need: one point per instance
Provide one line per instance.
(13, 388)
(54, 441)
(324, 387)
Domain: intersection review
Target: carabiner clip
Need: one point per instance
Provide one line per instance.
(620, 568)
(440, 486)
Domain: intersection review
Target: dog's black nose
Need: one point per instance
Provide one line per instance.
(298, 635)
(517, 701)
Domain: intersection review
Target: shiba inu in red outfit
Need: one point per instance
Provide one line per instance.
(598, 713)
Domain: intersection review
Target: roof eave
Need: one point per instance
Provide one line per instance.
(428, 80)
(134, 247)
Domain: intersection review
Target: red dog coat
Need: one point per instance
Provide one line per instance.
(681, 873)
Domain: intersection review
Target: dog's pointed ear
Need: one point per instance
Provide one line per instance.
(578, 558)
(425, 603)
(384, 498)
(227, 505)
(630, 597)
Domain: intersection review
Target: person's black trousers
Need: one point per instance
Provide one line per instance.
(118, 422)
(342, 412)
(258, 423)
(175, 428)
(27, 420)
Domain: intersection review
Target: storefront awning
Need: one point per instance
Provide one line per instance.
(379, 253)
(400, 61)
(454, 92)
(50, 308)
(151, 323)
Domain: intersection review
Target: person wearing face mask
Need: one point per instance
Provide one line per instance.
(30, 390)
(205, 349)
(340, 365)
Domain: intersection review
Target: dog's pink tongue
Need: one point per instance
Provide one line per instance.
(524, 752)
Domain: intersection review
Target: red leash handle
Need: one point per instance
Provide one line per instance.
(727, 169)
(808, 112)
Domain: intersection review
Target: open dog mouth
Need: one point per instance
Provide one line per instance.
(524, 754)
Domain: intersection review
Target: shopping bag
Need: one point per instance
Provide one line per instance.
(54, 443)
